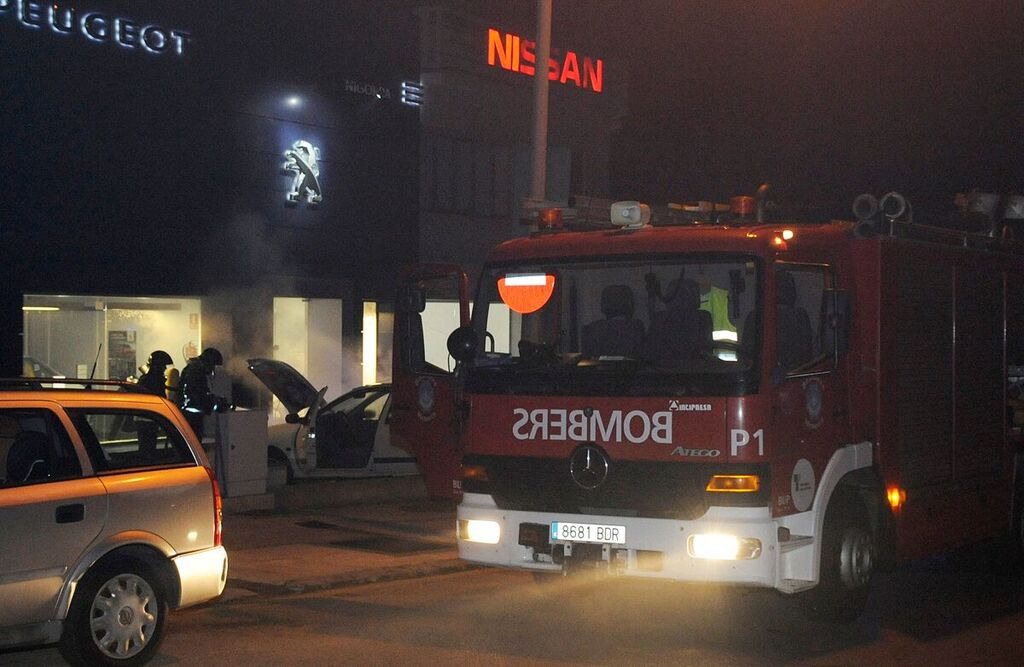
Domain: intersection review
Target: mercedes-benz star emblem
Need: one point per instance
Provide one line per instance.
(588, 466)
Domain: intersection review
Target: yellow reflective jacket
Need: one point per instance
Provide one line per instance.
(716, 302)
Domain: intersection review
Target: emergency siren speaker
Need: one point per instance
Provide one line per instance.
(895, 206)
(865, 207)
(630, 214)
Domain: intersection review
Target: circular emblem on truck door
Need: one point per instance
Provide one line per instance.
(801, 485)
(588, 466)
(426, 395)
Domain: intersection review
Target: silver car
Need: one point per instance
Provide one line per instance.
(109, 516)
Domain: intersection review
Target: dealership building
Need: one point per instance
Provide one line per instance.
(183, 175)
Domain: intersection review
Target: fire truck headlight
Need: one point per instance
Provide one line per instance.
(718, 546)
(485, 532)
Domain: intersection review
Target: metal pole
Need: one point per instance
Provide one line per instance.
(538, 184)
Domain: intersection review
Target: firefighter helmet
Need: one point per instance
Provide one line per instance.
(211, 356)
(160, 358)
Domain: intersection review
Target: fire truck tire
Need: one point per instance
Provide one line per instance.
(1018, 539)
(1018, 512)
(1015, 539)
(848, 553)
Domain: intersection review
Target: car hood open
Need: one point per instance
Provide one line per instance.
(287, 384)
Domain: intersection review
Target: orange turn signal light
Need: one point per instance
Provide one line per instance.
(896, 496)
(549, 218)
(478, 473)
(734, 484)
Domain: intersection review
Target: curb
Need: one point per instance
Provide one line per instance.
(330, 492)
(358, 578)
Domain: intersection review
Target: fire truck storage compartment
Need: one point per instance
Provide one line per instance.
(940, 394)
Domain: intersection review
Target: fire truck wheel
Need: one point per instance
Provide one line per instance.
(848, 553)
(1018, 535)
(1018, 516)
(1015, 540)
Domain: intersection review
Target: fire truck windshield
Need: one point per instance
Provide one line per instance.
(630, 326)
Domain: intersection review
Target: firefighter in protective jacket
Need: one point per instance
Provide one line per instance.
(155, 378)
(196, 398)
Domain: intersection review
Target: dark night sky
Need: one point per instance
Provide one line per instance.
(823, 99)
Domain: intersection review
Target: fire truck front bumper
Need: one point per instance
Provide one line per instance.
(734, 545)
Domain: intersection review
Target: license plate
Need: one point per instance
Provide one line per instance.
(595, 533)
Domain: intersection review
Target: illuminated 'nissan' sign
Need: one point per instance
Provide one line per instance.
(512, 52)
(98, 27)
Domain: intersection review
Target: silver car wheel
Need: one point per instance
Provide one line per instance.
(123, 616)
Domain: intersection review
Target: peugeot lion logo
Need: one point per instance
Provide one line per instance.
(301, 159)
(588, 466)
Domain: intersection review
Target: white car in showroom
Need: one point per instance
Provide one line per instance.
(349, 436)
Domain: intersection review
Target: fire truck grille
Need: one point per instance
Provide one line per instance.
(632, 488)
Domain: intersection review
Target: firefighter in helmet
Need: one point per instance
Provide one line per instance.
(196, 399)
(154, 379)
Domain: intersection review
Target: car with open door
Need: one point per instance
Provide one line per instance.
(349, 436)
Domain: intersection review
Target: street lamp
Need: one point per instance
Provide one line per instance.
(539, 133)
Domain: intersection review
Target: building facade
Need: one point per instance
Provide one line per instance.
(180, 175)
(183, 175)
(477, 72)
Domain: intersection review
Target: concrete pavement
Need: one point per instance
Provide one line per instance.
(331, 533)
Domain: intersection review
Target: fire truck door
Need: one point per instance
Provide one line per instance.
(433, 301)
(803, 429)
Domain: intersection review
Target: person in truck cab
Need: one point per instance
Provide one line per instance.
(715, 300)
(681, 332)
(619, 334)
(794, 337)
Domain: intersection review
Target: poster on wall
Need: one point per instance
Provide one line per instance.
(120, 354)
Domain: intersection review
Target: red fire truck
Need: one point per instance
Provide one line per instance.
(715, 398)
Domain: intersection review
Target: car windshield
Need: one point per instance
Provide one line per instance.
(683, 324)
(351, 402)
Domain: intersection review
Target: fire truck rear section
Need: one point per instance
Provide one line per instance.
(885, 436)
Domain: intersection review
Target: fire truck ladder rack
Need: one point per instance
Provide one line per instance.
(957, 237)
(893, 216)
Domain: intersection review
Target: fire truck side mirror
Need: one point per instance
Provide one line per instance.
(837, 318)
(462, 344)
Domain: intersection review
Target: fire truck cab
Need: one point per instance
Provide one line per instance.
(774, 405)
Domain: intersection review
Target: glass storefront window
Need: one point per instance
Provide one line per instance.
(307, 336)
(67, 335)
